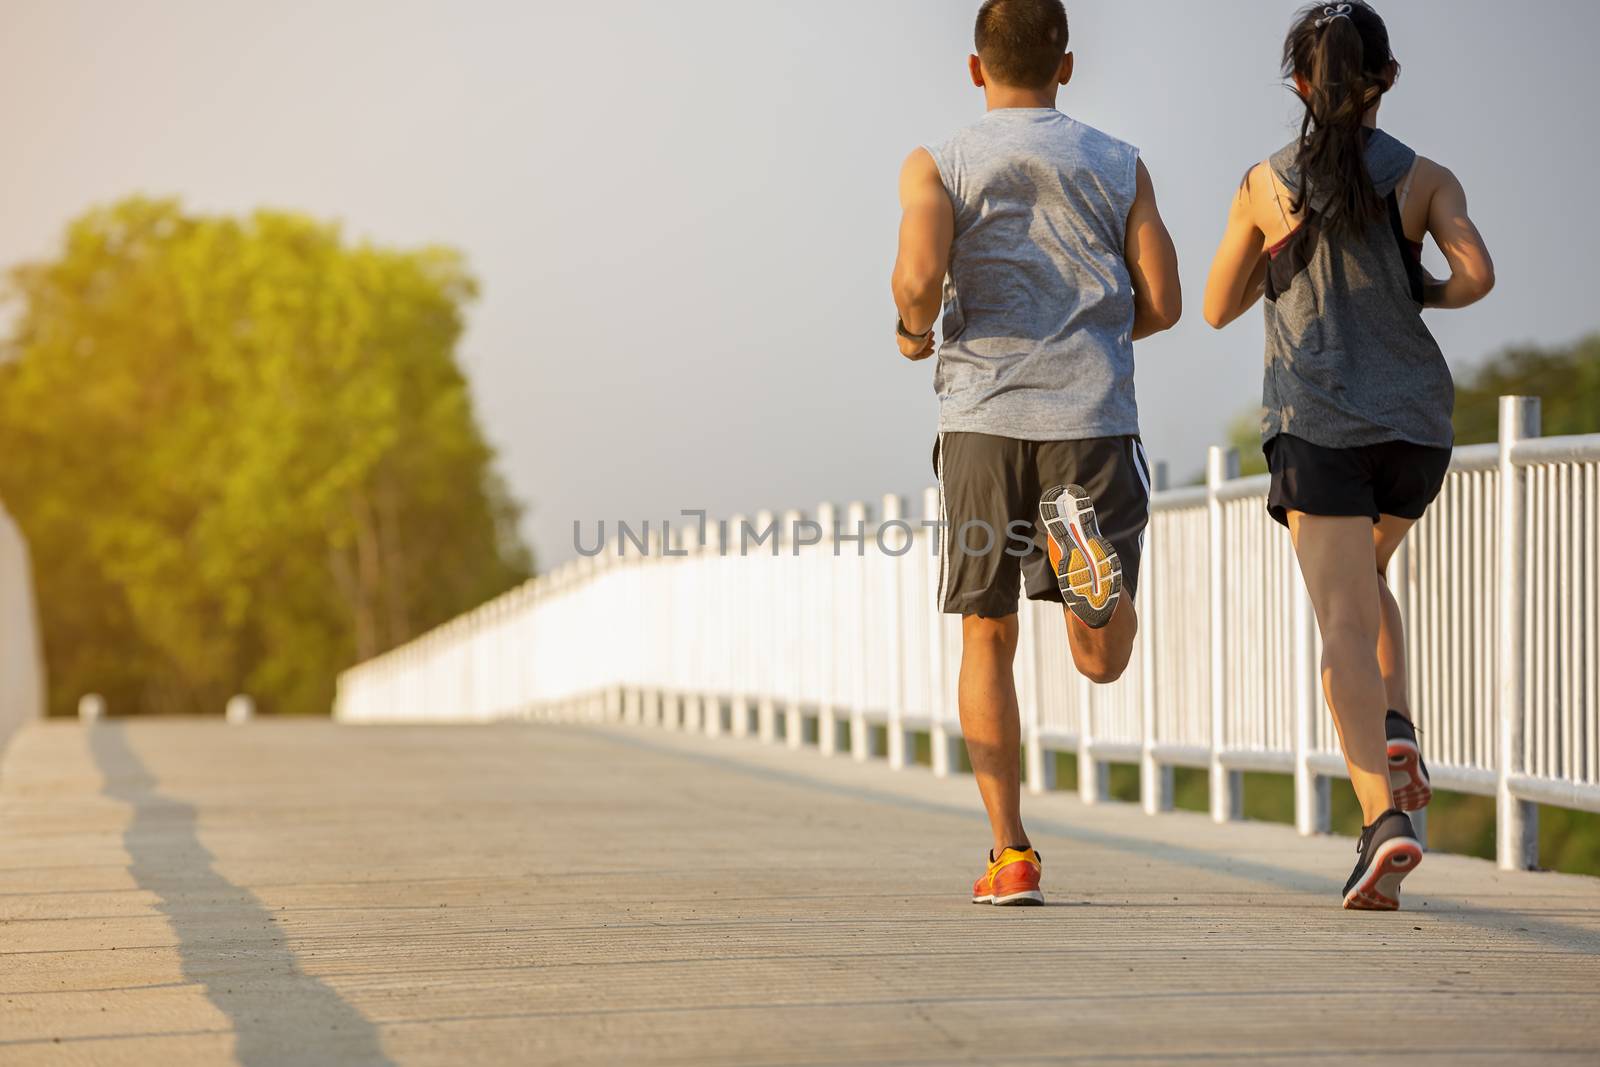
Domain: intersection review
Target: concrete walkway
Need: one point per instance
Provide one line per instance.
(305, 893)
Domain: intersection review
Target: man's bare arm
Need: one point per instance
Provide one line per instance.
(927, 226)
(1152, 263)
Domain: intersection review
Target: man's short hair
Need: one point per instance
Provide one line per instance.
(1021, 42)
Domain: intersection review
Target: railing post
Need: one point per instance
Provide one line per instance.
(1094, 777)
(712, 547)
(1155, 779)
(1227, 787)
(240, 709)
(827, 631)
(736, 585)
(766, 704)
(862, 742)
(1516, 821)
(796, 641)
(894, 511)
(613, 673)
(1312, 798)
(1038, 762)
(689, 640)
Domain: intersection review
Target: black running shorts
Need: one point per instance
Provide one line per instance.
(992, 541)
(1393, 478)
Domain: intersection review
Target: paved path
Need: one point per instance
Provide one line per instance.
(304, 893)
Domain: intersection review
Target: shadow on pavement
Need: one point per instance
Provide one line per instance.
(228, 941)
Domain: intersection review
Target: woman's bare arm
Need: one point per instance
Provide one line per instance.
(1239, 269)
(1471, 269)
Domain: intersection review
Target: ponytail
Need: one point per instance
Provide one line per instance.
(1341, 54)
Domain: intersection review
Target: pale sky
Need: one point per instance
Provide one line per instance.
(683, 213)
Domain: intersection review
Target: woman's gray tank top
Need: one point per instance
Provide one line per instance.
(1349, 361)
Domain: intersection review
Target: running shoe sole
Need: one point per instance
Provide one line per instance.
(1030, 896)
(1410, 785)
(1379, 888)
(1090, 575)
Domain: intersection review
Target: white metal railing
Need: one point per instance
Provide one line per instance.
(828, 635)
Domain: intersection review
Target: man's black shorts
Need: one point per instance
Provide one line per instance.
(990, 488)
(1393, 478)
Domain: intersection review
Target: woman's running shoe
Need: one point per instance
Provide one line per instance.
(1387, 852)
(1408, 775)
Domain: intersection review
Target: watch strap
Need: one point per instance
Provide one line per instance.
(900, 328)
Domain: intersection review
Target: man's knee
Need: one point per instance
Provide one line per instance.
(995, 635)
(1102, 665)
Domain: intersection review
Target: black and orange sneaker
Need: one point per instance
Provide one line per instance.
(1408, 775)
(1387, 852)
(1012, 878)
(1085, 564)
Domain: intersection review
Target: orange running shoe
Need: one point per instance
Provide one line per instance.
(1086, 566)
(1012, 878)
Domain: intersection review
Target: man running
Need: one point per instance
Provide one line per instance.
(1057, 261)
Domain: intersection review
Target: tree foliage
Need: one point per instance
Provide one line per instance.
(1566, 380)
(1244, 437)
(244, 456)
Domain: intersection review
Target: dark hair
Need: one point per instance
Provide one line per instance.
(1341, 50)
(1021, 42)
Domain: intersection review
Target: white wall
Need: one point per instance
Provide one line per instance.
(21, 658)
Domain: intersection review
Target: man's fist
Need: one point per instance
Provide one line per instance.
(914, 349)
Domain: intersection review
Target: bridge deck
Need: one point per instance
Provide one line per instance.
(308, 893)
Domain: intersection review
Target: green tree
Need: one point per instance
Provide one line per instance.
(244, 456)
(1566, 380)
(1244, 436)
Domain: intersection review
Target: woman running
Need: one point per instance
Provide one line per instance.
(1357, 396)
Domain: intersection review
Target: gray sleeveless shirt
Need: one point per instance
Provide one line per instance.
(1349, 360)
(1038, 308)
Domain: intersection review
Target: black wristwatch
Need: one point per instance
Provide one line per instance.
(900, 328)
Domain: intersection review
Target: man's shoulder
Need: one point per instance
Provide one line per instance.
(966, 132)
(1064, 125)
(1097, 137)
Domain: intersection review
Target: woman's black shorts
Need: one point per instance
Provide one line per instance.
(1393, 478)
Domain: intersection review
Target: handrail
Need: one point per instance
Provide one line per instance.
(1578, 448)
(841, 647)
